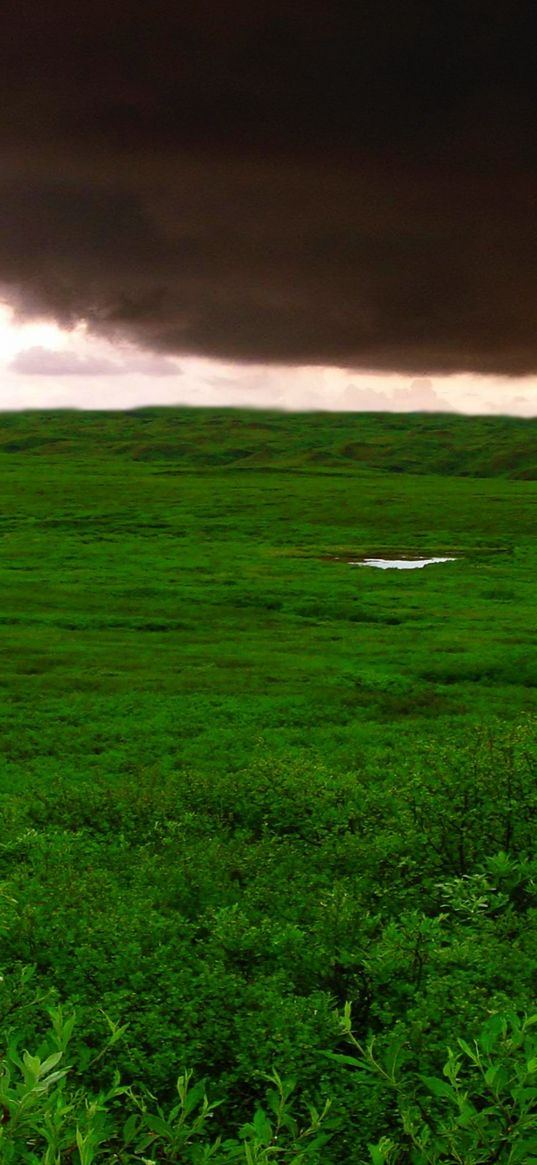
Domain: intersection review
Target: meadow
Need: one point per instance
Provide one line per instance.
(244, 783)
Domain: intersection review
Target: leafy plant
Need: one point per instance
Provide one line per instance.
(482, 1109)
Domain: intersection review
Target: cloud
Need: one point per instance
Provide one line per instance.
(357, 399)
(420, 396)
(152, 365)
(309, 183)
(39, 361)
(519, 406)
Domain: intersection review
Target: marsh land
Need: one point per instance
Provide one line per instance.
(243, 782)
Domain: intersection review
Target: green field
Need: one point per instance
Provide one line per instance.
(244, 781)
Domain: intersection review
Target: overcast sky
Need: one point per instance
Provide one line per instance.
(43, 366)
(270, 197)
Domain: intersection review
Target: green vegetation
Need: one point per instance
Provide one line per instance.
(244, 783)
(439, 443)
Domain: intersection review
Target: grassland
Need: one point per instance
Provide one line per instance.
(242, 780)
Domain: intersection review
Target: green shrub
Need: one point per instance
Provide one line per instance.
(482, 1109)
(49, 1117)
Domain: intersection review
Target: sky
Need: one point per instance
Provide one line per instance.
(308, 205)
(45, 366)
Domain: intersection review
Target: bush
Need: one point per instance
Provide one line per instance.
(483, 1109)
(48, 1117)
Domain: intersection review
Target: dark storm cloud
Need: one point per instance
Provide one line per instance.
(350, 183)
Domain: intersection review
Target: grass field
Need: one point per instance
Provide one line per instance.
(243, 781)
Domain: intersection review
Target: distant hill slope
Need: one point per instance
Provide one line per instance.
(185, 438)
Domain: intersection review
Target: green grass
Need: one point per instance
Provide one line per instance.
(304, 442)
(234, 770)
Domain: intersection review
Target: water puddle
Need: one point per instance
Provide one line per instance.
(398, 563)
